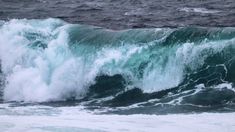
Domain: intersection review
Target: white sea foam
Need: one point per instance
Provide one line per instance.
(199, 10)
(73, 119)
(38, 75)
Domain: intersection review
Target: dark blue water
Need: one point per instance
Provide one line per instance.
(123, 14)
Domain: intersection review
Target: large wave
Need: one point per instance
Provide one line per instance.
(51, 60)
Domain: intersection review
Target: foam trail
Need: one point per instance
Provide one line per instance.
(199, 10)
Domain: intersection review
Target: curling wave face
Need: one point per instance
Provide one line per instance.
(51, 60)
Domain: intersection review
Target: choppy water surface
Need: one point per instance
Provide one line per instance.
(122, 14)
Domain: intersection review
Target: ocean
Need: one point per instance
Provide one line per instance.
(134, 65)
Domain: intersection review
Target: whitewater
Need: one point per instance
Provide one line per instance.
(97, 79)
(76, 119)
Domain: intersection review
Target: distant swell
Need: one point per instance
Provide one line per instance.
(51, 60)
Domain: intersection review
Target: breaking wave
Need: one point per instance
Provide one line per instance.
(51, 60)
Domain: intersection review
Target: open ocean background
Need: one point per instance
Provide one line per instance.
(125, 14)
